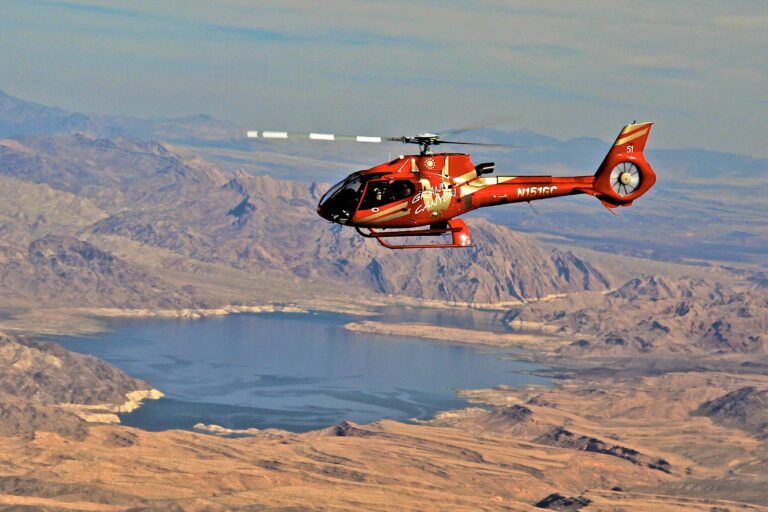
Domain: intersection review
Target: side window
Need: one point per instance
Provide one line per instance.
(379, 193)
(375, 195)
(400, 189)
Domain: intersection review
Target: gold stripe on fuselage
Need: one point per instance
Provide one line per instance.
(384, 212)
(480, 183)
(465, 177)
(394, 216)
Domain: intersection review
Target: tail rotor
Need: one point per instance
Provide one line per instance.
(624, 175)
(625, 178)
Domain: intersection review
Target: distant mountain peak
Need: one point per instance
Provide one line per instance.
(654, 287)
(237, 185)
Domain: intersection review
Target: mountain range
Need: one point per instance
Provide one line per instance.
(125, 189)
(704, 208)
(117, 221)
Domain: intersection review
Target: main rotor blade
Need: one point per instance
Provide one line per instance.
(330, 137)
(425, 140)
(487, 144)
(491, 123)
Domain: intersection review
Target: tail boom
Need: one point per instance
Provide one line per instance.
(623, 176)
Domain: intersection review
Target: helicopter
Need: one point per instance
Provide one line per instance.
(422, 195)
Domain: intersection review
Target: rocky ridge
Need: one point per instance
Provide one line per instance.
(43, 385)
(745, 408)
(652, 314)
(61, 270)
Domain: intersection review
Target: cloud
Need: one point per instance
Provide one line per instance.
(750, 22)
(90, 8)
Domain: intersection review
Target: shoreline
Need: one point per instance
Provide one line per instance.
(543, 342)
(533, 347)
(52, 322)
(192, 313)
(71, 321)
(108, 413)
(415, 302)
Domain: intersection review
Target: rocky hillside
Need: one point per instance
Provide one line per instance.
(64, 271)
(260, 222)
(113, 173)
(745, 408)
(38, 378)
(146, 193)
(501, 266)
(654, 314)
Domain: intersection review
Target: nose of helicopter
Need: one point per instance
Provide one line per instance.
(324, 211)
(340, 202)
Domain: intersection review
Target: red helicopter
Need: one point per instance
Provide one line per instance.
(422, 195)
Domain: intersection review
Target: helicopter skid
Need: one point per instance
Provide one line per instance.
(456, 227)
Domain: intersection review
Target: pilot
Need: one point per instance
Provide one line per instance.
(400, 190)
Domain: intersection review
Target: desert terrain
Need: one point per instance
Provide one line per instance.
(658, 349)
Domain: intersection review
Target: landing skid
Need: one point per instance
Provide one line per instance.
(456, 227)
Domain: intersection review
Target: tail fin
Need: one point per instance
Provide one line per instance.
(624, 174)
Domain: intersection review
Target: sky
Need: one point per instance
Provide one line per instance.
(698, 68)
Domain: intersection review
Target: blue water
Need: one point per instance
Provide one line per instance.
(293, 371)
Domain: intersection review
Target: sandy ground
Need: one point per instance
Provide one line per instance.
(383, 466)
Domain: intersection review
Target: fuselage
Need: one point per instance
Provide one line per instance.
(423, 190)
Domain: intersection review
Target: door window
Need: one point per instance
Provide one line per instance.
(375, 194)
(400, 189)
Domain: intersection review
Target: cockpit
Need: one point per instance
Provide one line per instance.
(340, 202)
(368, 192)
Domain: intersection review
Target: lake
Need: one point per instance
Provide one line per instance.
(292, 371)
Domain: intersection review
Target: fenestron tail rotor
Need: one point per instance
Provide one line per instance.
(424, 140)
(625, 178)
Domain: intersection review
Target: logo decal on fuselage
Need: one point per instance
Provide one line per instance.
(434, 199)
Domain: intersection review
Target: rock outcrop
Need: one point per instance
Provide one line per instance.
(652, 314)
(43, 385)
(563, 438)
(63, 271)
(745, 408)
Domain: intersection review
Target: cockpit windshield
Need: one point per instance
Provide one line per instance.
(341, 201)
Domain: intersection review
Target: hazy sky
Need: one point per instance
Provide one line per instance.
(698, 68)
